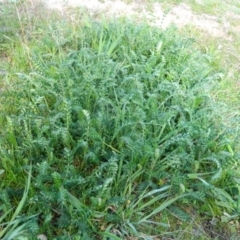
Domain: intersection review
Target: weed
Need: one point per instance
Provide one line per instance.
(118, 122)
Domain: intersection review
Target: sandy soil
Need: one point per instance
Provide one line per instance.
(180, 15)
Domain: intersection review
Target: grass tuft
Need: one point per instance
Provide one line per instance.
(119, 123)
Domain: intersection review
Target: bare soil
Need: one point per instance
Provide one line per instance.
(180, 15)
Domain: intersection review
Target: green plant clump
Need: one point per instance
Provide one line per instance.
(119, 126)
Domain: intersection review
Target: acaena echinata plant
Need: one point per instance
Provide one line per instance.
(118, 121)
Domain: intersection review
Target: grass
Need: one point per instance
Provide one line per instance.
(124, 128)
(212, 7)
(12, 227)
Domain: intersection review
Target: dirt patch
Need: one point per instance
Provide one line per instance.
(180, 15)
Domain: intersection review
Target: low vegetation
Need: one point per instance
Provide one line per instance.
(111, 130)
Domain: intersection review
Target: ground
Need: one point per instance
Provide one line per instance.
(159, 14)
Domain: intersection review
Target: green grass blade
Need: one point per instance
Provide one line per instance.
(110, 235)
(155, 199)
(14, 232)
(19, 207)
(75, 202)
(4, 215)
(157, 191)
(162, 207)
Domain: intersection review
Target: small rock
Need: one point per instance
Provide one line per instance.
(42, 237)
